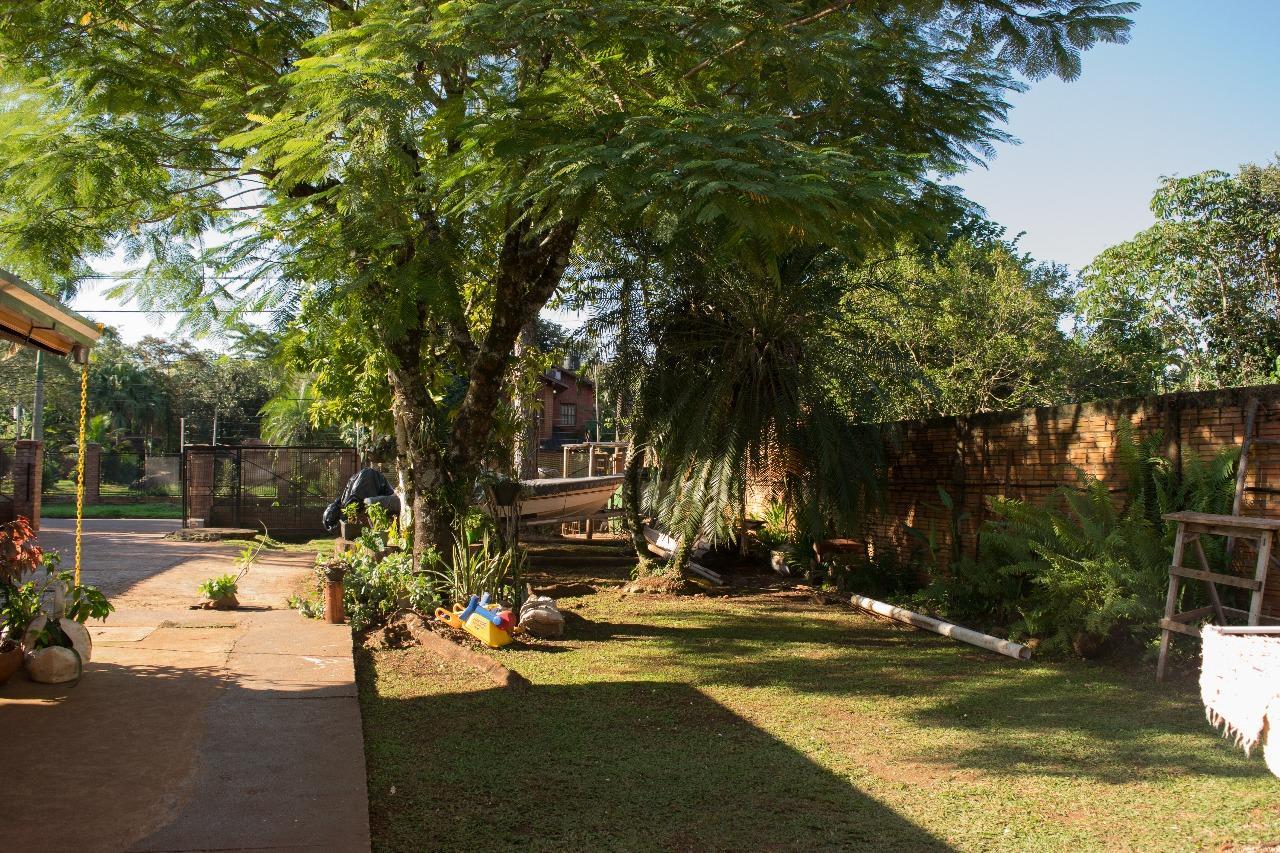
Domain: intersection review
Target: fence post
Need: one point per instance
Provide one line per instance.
(28, 475)
(92, 472)
(198, 483)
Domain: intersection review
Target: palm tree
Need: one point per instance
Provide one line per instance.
(287, 417)
(743, 379)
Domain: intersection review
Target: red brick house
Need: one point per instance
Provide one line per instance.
(568, 405)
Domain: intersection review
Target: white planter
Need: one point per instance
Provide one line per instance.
(56, 664)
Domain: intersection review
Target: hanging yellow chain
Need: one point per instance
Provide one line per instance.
(84, 408)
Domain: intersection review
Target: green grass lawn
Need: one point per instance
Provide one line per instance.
(153, 509)
(767, 721)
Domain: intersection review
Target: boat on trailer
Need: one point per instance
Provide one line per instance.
(563, 498)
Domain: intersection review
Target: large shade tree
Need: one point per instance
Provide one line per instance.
(1194, 301)
(407, 181)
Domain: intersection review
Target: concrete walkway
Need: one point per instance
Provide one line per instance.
(191, 729)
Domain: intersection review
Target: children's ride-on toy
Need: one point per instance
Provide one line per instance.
(485, 621)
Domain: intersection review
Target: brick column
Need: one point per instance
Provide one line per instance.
(92, 473)
(199, 483)
(28, 461)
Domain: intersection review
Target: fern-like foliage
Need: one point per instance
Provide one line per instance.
(1092, 562)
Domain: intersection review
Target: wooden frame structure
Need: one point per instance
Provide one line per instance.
(617, 459)
(1191, 526)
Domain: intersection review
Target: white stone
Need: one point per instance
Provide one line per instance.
(53, 665)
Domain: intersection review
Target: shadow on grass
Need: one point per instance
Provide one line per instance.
(1063, 718)
(605, 766)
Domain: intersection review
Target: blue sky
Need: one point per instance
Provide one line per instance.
(1195, 89)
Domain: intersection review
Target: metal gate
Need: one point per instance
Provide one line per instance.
(281, 489)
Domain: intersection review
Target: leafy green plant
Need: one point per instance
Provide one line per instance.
(777, 530)
(928, 540)
(481, 566)
(223, 586)
(379, 575)
(1090, 567)
(312, 608)
(375, 587)
(56, 595)
(1091, 562)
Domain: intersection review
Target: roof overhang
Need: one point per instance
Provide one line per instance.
(30, 317)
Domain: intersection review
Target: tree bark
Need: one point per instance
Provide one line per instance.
(413, 411)
(529, 270)
(631, 501)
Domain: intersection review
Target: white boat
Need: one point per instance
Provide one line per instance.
(664, 544)
(564, 498)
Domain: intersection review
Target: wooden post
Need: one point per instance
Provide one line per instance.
(1260, 575)
(1171, 600)
(1213, 587)
(591, 472)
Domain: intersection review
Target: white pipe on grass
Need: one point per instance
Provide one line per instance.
(946, 629)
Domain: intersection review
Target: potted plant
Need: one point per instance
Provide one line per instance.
(19, 555)
(55, 641)
(220, 592)
(776, 535)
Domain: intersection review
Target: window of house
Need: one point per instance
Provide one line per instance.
(568, 414)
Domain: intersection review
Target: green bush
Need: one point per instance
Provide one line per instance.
(1088, 565)
(479, 566)
(374, 588)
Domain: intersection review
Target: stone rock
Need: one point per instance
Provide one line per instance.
(53, 665)
(541, 618)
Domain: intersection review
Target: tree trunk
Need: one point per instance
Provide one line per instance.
(441, 476)
(411, 410)
(631, 498)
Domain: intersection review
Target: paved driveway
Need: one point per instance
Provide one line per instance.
(191, 729)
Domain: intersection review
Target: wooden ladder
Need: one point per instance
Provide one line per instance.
(1193, 525)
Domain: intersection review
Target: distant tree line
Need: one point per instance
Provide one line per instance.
(139, 395)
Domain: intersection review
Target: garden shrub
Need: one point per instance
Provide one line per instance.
(479, 566)
(1088, 564)
(374, 588)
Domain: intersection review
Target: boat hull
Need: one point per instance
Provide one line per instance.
(564, 498)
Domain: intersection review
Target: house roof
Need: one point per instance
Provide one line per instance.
(550, 378)
(30, 317)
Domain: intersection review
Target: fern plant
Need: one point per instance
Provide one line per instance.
(1091, 563)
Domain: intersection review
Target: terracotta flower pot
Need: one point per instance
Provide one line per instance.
(10, 659)
(334, 613)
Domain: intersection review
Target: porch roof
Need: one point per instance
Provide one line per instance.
(32, 318)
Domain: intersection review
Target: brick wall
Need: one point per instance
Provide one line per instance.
(564, 386)
(1027, 454)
